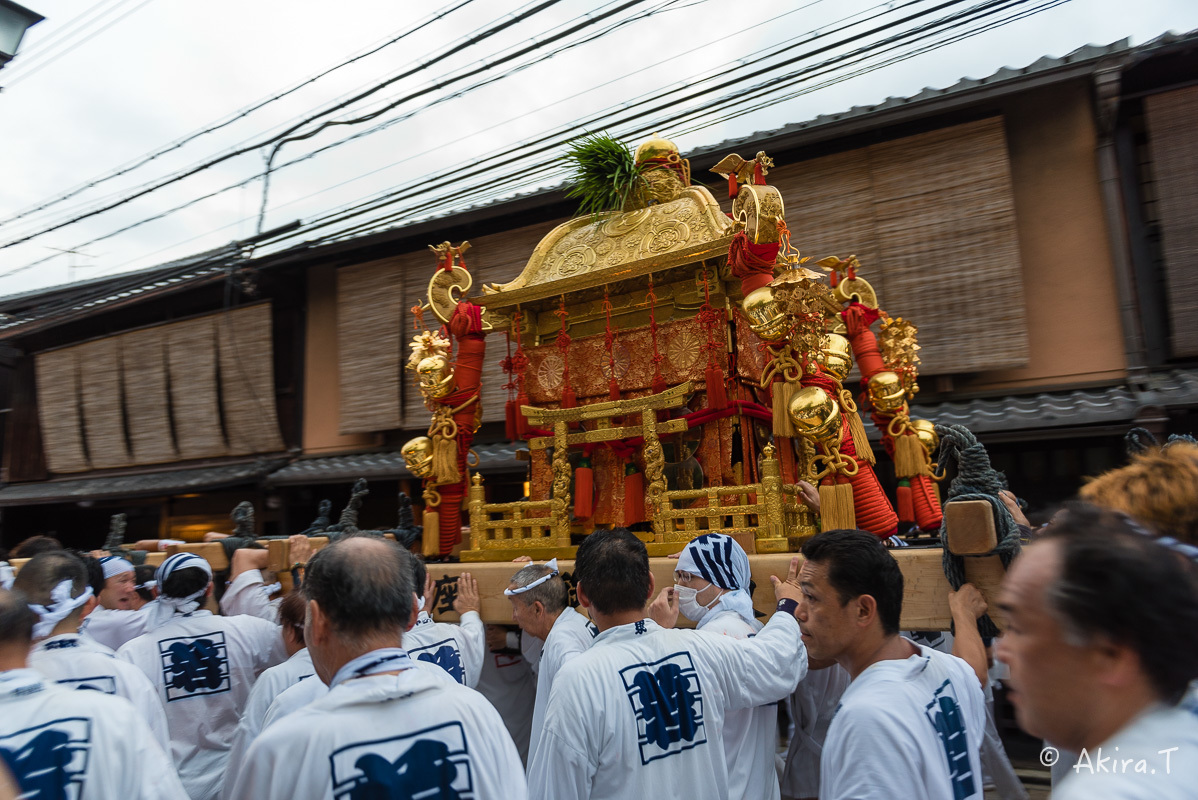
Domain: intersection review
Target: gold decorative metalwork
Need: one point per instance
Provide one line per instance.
(587, 251)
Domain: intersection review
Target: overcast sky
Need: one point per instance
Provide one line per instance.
(76, 107)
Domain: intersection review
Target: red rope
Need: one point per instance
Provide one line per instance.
(563, 346)
(659, 383)
(609, 341)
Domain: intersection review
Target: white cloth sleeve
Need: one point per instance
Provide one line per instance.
(763, 669)
(558, 771)
(473, 645)
(247, 595)
(871, 756)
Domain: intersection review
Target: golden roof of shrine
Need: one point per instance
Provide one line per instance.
(592, 251)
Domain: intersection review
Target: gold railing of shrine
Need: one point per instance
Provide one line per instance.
(769, 511)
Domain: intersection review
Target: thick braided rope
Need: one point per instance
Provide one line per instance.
(975, 480)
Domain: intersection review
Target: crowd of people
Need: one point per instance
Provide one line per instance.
(117, 685)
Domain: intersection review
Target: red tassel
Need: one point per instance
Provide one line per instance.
(717, 395)
(510, 425)
(634, 496)
(613, 390)
(733, 188)
(584, 490)
(906, 507)
(521, 420)
(569, 398)
(928, 513)
(758, 175)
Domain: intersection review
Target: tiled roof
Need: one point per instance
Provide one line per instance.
(492, 458)
(1111, 405)
(169, 481)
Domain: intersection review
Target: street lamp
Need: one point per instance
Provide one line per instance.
(14, 21)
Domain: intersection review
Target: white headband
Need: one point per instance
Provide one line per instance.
(522, 589)
(60, 607)
(173, 564)
(115, 565)
(146, 585)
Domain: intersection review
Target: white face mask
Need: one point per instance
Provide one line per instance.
(689, 605)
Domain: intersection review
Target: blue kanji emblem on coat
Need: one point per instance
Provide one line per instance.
(668, 702)
(49, 761)
(430, 763)
(445, 655)
(945, 713)
(194, 665)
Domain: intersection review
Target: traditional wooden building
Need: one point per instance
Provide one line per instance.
(1035, 224)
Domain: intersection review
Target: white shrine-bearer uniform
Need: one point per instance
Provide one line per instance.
(907, 728)
(112, 627)
(270, 684)
(750, 734)
(73, 662)
(309, 690)
(375, 735)
(457, 649)
(508, 683)
(202, 667)
(77, 662)
(59, 743)
(571, 634)
(641, 714)
(250, 594)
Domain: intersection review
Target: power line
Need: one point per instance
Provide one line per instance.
(495, 29)
(241, 114)
(591, 19)
(555, 138)
(490, 189)
(51, 59)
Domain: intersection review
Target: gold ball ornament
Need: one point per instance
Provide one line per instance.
(418, 455)
(436, 376)
(815, 414)
(765, 317)
(926, 431)
(838, 356)
(886, 391)
(656, 147)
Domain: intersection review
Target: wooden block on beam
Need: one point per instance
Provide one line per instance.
(970, 527)
(212, 552)
(925, 598)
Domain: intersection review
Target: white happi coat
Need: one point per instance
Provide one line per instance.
(750, 734)
(247, 594)
(907, 728)
(309, 690)
(113, 627)
(508, 684)
(641, 714)
(409, 734)
(571, 634)
(457, 649)
(74, 663)
(1153, 757)
(270, 684)
(811, 708)
(61, 743)
(203, 667)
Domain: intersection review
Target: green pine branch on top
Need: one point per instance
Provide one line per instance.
(604, 173)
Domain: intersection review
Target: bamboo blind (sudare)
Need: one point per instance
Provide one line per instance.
(932, 218)
(1173, 144)
(147, 406)
(103, 402)
(247, 380)
(199, 388)
(192, 365)
(59, 411)
(371, 343)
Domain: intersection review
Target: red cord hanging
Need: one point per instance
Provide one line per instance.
(520, 369)
(659, 383)
(609, 342)
(569, 399)
(717, 395)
